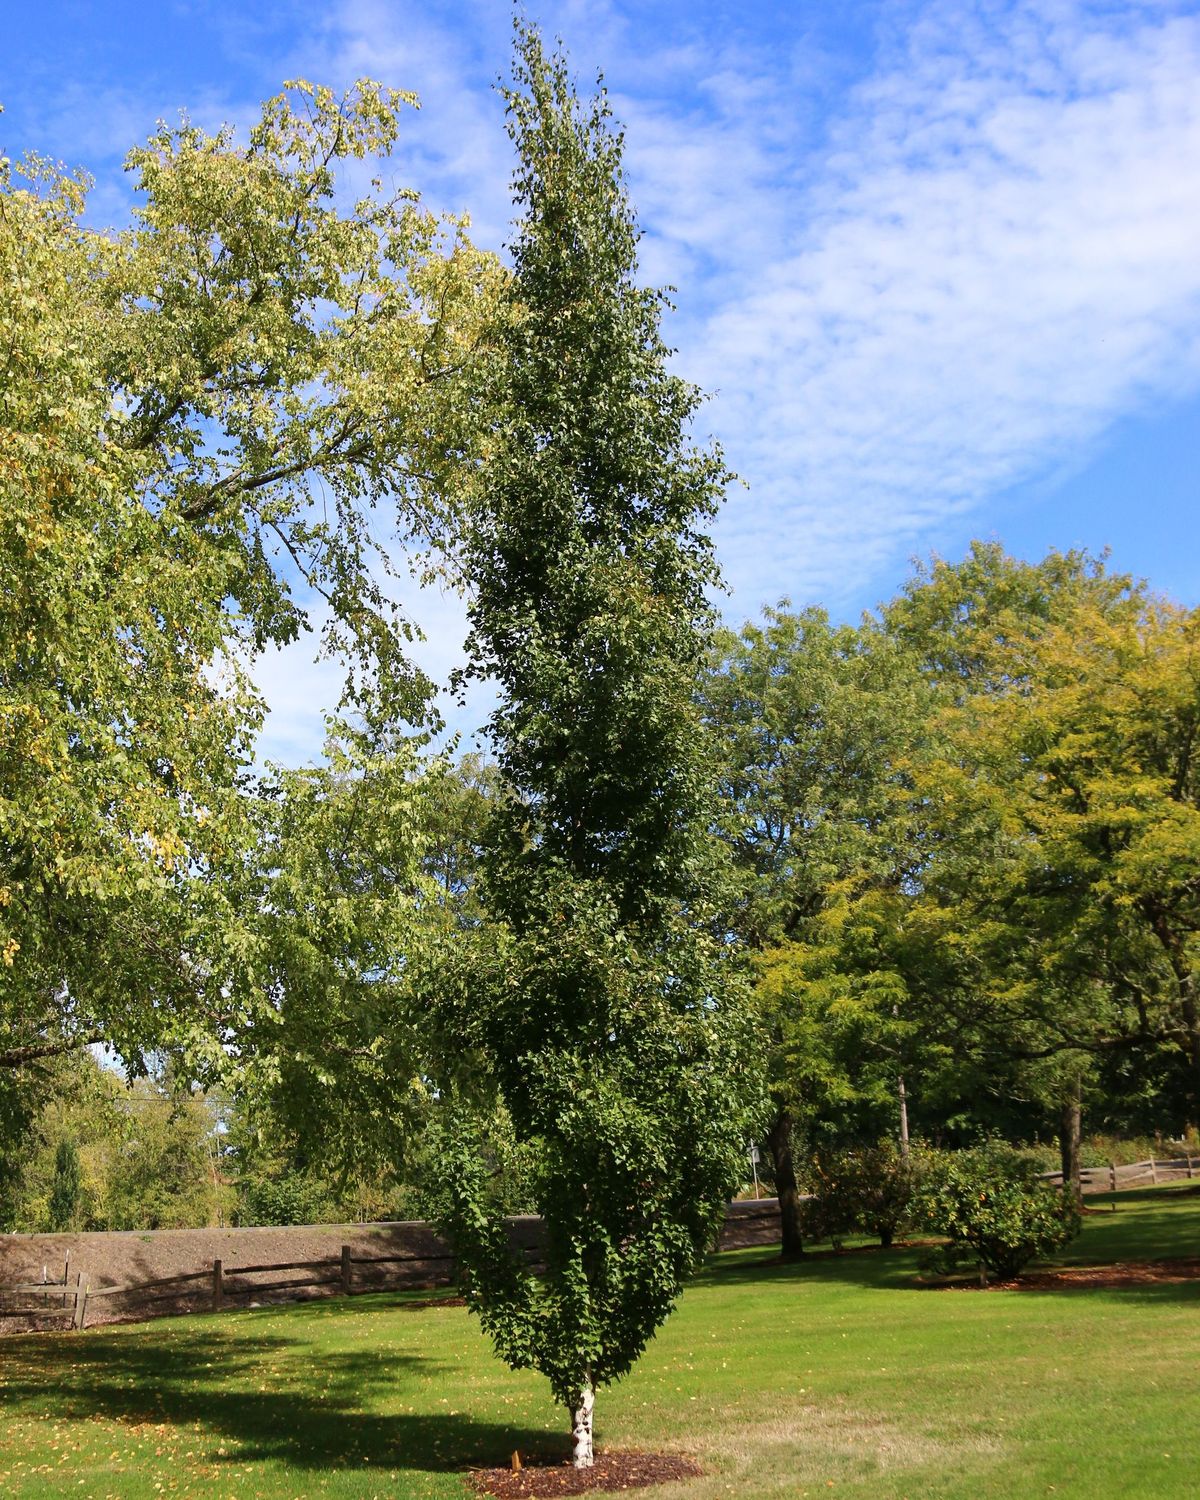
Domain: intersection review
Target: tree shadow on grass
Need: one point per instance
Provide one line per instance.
(897, 1270)
(270, 1397)
(869, 1265)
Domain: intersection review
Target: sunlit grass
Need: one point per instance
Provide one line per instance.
(836, 1376)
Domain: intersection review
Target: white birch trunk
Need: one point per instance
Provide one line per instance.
(581, 1429)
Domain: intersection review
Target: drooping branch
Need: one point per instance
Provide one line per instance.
(19, 1057)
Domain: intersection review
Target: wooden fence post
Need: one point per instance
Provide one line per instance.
(81, 1291)
(66, 1276)
(218, 1286)
(347, 1270)
(1112, 1176)
(1189, 1164)
(1153, 1172)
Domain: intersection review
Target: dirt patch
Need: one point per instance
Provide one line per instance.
(611, 1471)
(1124, 1273)
(748, 1222)
(420, 1304)
(798, 1449)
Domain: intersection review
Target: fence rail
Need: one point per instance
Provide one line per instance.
(214, 1286)
(224, 1282)
(1108, 1178)
(350, 1273)
(72, 1297)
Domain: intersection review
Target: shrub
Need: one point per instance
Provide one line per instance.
(290, 1198)
(991, 1204)
(867, 1191)
(823, 1217)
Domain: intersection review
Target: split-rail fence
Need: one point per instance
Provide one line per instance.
(217, 1284)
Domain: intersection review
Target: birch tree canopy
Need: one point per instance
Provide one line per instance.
(603, 1011)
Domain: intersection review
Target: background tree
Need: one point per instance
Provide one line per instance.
(1075, 840)
(196, 417)
(604, 1013)
(457, 802)
(65, 1097)
(333, 1049)
(166, 1168)
(818, 726)
(952, 825)
(64, 1187)
(144, 1156)
(1064, 732)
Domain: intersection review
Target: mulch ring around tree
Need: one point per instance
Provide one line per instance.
(1126, 1273)
(613, 1470)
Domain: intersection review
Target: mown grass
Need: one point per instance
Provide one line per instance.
(833, 1377)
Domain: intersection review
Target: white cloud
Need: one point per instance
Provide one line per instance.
(912, 278)
(985, 255)
(1000, 257)
(300, 690)
(454, 151)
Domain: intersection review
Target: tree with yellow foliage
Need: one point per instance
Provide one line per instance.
(197, 416)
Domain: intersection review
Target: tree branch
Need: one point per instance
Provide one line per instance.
(17, 1057)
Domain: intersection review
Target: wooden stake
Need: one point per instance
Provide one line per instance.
(218, 1286)
(81, 1291)
(347, 1271)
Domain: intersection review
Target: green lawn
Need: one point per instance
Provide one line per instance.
(837, 1377)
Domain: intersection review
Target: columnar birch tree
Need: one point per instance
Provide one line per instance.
(605, 1014)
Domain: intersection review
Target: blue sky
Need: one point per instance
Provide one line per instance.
(937, 263)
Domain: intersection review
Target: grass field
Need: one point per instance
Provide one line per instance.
(836, 1377)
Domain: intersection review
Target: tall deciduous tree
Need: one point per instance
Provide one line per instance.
(337, 909)
(1069, 836)
(196, 416)
(1055, 930)
(606, 1014)
(818, 725)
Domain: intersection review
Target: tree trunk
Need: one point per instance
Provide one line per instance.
(1068, 1140)
(779, 1142)
(581, 1428)
(903, 1092)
